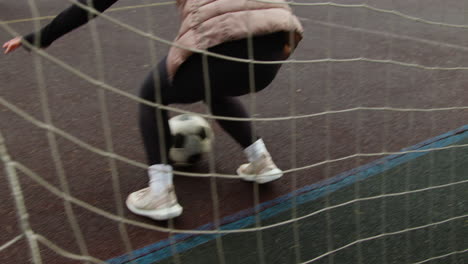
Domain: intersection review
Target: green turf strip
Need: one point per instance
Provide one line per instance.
(365, 219)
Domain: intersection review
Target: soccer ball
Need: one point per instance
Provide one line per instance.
(192, 136)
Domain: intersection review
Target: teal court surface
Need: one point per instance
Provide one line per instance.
(403, 208)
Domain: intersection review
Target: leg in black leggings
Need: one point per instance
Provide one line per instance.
(240, 131)
(227, 79)
(150, 117)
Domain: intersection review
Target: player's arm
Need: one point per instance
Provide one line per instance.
(68, 20)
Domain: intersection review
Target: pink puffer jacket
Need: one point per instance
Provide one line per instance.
(207, 23)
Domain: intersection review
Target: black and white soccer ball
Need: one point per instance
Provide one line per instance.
(192, 136)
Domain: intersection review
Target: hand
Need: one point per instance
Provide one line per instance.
(12, 45)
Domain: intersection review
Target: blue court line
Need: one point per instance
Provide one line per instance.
(161, 250)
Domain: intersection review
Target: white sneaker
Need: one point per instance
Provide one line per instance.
(262, 170)
(160, 206)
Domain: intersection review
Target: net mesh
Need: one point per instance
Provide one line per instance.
(394, 27)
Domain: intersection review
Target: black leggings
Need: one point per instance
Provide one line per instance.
(227, 79)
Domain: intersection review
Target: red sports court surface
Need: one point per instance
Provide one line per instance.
(333, 31)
